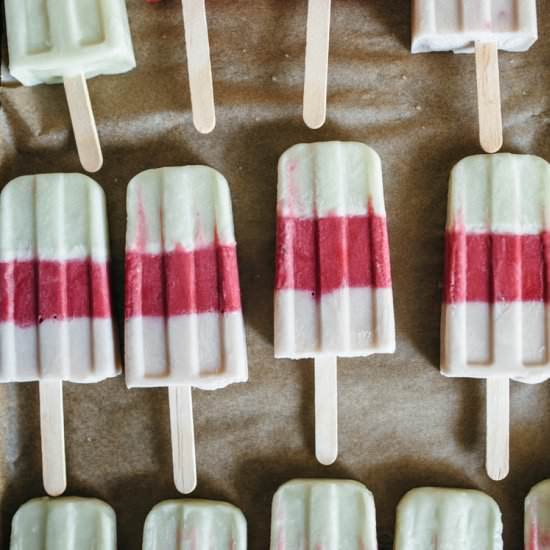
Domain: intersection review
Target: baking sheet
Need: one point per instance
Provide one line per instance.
(402, 424)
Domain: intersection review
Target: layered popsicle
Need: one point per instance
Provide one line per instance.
(310, 514)
(182, 524)
(333, 294)
(483, 26)
(53, 41)
(68, 523)
(537, 517)
(456, 25)
(184, 324)
(55, 304)
(433, 518)
(495, 311)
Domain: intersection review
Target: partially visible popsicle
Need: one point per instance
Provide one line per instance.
(495, 311)
(182, 524)
(333, 293)
(537, 517)
(310, 514)
(432, 518)
(484, 26)
(198, 65)
(55, 304)
(184, 325)
(53, 41)
(316, 68)
(68, 523)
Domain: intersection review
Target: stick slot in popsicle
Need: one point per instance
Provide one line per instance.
(198, 65)
(316, 66)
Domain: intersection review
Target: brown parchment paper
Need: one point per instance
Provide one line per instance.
(402, 424)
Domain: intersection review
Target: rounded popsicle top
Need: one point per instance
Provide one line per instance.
(330, 178)
(537, 516)
(64, 523)
(50, 40)
(185, 207)
(53, 217)
(503, 193)
(448, 515)
(210, 523)
(329, 513)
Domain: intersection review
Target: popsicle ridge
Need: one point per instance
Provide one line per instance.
(183, 306)
(36, 291)
(497, 269)
(55, 296)
(354, 253)
(176, 524)
(321, 514)
(537, 517)
(53, 39)
(333, 291)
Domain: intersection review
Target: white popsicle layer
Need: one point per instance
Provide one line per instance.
(495, 319)
(67, 523)
(55, 302)
(49, 40)
(182, 524)
(456, 25)
(333, 514)
(429, 518)
(333, 292)
(184, 323)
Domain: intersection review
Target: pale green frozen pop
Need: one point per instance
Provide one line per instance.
(68, 523)
(323, 514)
(194, 524)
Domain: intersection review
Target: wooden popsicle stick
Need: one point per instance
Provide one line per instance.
(326, 410)
(83, 121)
(183, 438)
(498, 428)
(198, 64)
(316, 71)
(488, 97)
(52, 432)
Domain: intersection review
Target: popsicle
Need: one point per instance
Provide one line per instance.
(333, 294)
(316, 69)
(184, 325)
(484, 26)
(495, 311)
(182, 524)
(310, 514)
(537, 517)
(434, 518)
(55, 304)
(54, 41)
(68, 523)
